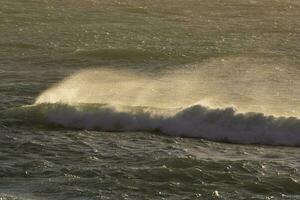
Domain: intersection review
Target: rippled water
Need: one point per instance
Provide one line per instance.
(240, 53)
(62, 164)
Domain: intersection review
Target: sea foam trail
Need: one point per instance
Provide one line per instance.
(194, 121)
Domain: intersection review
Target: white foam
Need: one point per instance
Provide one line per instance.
(75, 103)
(195, 121)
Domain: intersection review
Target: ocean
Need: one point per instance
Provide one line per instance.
(134, 99)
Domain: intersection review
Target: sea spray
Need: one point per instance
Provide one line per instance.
(119, 100)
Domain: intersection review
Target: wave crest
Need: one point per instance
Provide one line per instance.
(195, 121)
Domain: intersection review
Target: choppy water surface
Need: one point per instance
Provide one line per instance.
(130, 80)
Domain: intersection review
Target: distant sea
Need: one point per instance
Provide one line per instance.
(170, 99)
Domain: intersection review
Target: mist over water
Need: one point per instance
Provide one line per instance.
(126, 88)
(247, 84)
(170, 103)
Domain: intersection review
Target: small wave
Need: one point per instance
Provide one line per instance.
(226, 125)
(121, 54)
(19, 45)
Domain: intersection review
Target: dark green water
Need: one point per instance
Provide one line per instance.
(245, 51)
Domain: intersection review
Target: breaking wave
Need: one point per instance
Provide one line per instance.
(226, 125)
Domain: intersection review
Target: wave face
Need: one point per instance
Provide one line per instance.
(195, 121)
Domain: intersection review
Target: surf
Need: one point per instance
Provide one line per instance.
(123, 101)
(197, 121)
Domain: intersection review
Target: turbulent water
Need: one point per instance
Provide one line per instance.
(132, 99)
